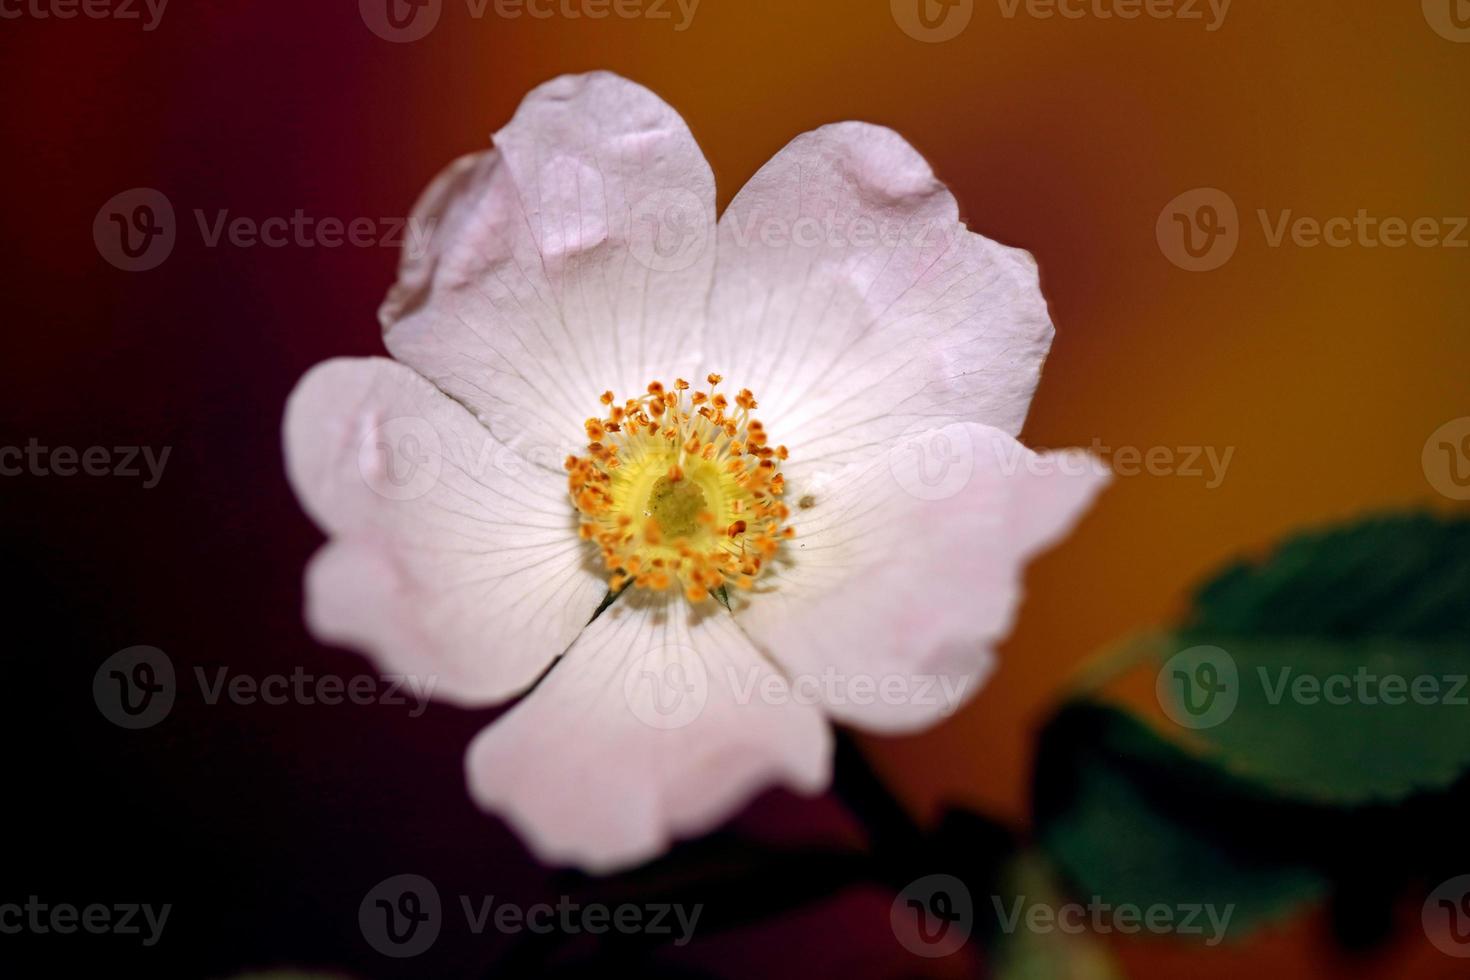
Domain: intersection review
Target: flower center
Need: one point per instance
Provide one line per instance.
(676, 506)
(676, 486)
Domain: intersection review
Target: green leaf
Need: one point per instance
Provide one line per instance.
(1318, 708)
(1401, 575)
(1325, 635)
(1346, 723)
(1134, 819)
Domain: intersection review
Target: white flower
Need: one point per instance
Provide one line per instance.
(893, 355)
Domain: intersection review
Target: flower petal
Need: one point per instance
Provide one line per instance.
(849, 297)
(658, 723)
(573, 259)
(451, 557)
(906, 572)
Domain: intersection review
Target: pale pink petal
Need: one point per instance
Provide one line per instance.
(452, 558)
(906, 572)
(657, 724)
(855, 304)
(574, 258)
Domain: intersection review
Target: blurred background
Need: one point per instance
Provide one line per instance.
(1322, 369)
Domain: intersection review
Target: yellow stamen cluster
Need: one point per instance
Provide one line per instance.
(679, 487)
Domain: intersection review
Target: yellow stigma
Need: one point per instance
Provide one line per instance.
(676, 488)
